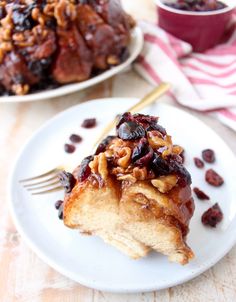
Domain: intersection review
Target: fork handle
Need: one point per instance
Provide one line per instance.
(155, 94)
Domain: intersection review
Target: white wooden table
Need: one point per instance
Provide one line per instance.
(23, 276)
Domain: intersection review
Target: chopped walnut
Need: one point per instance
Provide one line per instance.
(124, 155)
(20, 89)
(118, 171)
(156, 140)
(99, 165)
(113, 60)
(169, 146)
(64, 12)
(140, 173)
(117, 144)
(177, 149)
(49, 9)
(127, 177)
(165, 183)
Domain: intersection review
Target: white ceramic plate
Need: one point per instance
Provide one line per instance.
(135, 48)
(88, 260)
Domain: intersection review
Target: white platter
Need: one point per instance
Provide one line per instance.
(88, 260)
(135, 48)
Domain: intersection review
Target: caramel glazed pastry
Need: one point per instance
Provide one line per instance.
(47, 43)
(134, 192)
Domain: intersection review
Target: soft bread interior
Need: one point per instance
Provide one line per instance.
(132, 220)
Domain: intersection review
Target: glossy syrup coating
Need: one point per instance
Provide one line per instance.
(140, 151)
(44, 44)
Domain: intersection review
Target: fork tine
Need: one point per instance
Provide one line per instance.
(48, 191)
(40, 182)
(41, 175)
(44, 186)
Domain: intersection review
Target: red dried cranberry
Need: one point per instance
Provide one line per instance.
(200, 194)
(69, 148)
(160, 166)
(21, 16)
(142, 153)
(197, 5)
(146, 159)
(213, 178)
(182, 172)
(89, 123)
(212, 216)
(140, 149)
(130, 131)
(208, 155)
(58, 204)
(67, 180)
(75, 138)
(125, 117)
(60, 212)
(182, 156)
(198, 162)
(145, 119)
(2, 12)
(84, 169)
(102, 146)
(149, 123)
(175, 157)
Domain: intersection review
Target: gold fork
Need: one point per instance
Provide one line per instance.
(48, 182)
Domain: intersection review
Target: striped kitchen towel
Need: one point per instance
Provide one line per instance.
(205, 82)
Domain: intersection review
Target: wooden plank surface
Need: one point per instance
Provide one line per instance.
(23, 276)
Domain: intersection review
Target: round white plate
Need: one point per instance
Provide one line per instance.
(135, 48)
(87, 259)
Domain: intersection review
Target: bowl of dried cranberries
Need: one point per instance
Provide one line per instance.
(202, 23)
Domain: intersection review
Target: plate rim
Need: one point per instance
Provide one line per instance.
(73, 276)
(136, 35)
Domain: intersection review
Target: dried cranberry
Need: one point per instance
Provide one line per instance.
(125, 117)
(60, 212)
(145, 119)
(58, 204)
(160, 166)
(75, 138)
(213, 178)
(142, 153)
(131, 131)
(69, 148)
(21, 17)
(182, 172)
(149, 123)
(51, 23)
(140, 150)
(84, 169)
(200, 194)
(40, 67)
(212, 216)
(175, 157)
(89, 123)
(182, 156)
(67, 180)
(208, 155)
(197, 5)
(2, 12)
(198, 162)
(104, 143)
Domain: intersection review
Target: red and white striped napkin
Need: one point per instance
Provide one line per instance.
(205, 82)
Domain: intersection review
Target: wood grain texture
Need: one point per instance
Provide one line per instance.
(23, 276)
